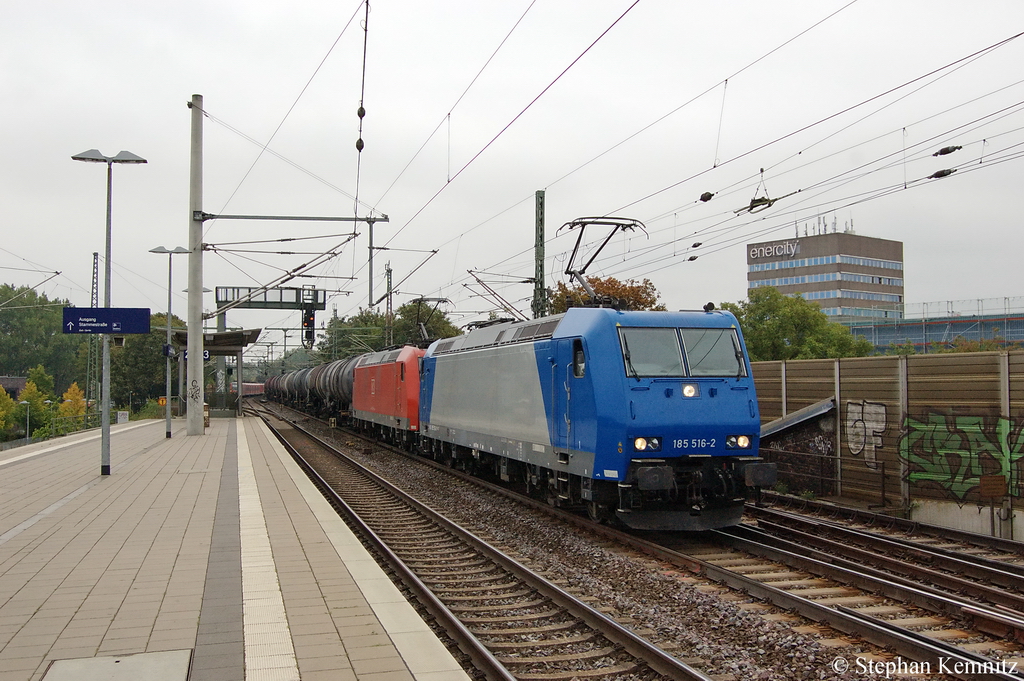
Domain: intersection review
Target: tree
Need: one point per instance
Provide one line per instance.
(72, 405)
(961, 344)
(7, 408)
(632, 294)
(36, 414)
(777, 327)
(366, 331)
(411, 315)
(31, 335)
(904, 348)
(138, 370)
(73, 402)
(43, 380)
(349, 336)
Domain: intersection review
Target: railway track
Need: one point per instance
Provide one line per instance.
(912, 619)
(512, 622)
(985, 580)
(932, 536)
(902, 616)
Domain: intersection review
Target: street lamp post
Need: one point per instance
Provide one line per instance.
(28, 411)
(167, 347)
(94, 156)
(49, 408)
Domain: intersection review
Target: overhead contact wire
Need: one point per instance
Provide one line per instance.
(516, 118)
(448, 117)
(650, 125)
(289, 112)
(822, 120)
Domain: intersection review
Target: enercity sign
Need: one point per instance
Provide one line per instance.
(776, 250)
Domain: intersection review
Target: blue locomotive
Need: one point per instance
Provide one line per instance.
(650, 417)
(647, 417)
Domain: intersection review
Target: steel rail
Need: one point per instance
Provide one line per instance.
(966, 665)
(645, 652)
(996, 621)
(869, 629)
(873, 557)
(894, 523)
(875, 631)
(996, 571)
(467, 642)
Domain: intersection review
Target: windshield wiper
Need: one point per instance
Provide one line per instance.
(629, 362)
(741, 367)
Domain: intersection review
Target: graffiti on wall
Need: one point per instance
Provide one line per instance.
(953, 451)
(865, 424)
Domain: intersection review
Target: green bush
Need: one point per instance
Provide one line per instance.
(152, 410)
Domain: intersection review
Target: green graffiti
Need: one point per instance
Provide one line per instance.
(954, 451)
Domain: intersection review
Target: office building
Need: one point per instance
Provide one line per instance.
(852, 277)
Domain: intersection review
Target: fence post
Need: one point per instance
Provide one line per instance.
(839, 430)
(903, 369)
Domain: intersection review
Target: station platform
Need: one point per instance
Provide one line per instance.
(205, 558)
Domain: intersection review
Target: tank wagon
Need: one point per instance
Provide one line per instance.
(323, 390)
(647, 417)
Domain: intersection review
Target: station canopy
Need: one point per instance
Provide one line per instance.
(222, 343)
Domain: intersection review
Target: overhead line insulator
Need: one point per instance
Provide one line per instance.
(946, 150)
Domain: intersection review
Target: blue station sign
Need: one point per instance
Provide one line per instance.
(113, 320)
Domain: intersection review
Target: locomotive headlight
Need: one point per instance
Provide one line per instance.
(690, 390)
(647, 444)
(737, 442)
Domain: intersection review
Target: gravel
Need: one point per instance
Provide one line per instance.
(712, 634)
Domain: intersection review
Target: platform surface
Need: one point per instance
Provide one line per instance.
(215, 547)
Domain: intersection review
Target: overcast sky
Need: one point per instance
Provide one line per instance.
(612, 107)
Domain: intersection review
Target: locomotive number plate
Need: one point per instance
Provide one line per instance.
(694, 443)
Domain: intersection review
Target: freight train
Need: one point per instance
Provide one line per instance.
(648, 418)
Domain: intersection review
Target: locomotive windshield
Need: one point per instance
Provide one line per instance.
(651, 352)
(659, 352)
(713, 352)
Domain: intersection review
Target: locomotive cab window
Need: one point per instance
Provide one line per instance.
(651, 352)
(579, 359)
(713, 352)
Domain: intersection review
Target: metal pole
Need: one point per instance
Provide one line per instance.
(539, 293)
(370, 264)
(238, 384)
(167, 390)
(105, 388)
(194, 387)
(181, 383)
(222, 363)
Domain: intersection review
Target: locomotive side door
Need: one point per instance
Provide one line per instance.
(570, 367)
(561, 393)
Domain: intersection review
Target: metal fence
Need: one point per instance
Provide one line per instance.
(58, 426)
(816, 474)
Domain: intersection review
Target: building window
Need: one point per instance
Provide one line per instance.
(826, 260)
